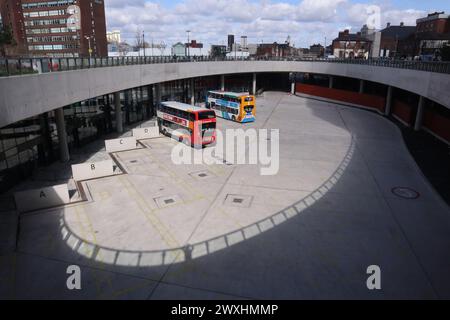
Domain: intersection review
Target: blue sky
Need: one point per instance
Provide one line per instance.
(305, 21)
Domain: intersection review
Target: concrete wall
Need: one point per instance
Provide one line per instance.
(361, 99)
(25, 96)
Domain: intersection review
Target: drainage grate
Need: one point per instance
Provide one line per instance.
(166, 201)
(405, 193)
(201, 174)
(238, 200)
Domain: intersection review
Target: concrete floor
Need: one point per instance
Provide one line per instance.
(308, 232)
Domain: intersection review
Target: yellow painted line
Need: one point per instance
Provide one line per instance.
(81, 211)
(189, 188)
(149, 213)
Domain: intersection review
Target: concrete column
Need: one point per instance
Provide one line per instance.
(62, 135)
(128, 102)
(150, 105)
(361, 86)
(254, 84)
(222, 82)
(419, 116)
(387, 110)
(158, 94)
(330, 82)
(293, 87)
(191, 85)
(118, 110)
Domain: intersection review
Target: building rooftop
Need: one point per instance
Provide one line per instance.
(433, 16)
(347, 36)
(400, 32)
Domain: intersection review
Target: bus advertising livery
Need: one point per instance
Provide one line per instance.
(240, 107)
(190, 124)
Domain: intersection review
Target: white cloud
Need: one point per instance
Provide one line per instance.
(210, 21)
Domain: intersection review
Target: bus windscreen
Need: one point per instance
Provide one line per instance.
(206, 115)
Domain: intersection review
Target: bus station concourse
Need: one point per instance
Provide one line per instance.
(360, 155)
(348, 195)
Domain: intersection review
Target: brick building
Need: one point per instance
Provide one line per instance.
(351, 45)
(437, 22)
(397, 41)
(63, 28)
(433, 33)
(10, 12)
(275, 50)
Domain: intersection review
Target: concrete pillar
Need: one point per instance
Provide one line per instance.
(222, 82)
(419, 116)
(128, 103)
(62, 135)
(387, 110)
(158, 94)
(150, 105)
(108, 113)
(191, 85)
(330, 82)
(361, 86)
(254, 84)
(118, 111)
(293, 87)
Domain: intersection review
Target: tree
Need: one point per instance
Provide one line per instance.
(6, 38)
(138, 41)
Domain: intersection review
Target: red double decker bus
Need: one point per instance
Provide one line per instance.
(190, 124)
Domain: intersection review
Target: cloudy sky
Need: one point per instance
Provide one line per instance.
(305, 21)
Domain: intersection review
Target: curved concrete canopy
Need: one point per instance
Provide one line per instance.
(25, 96)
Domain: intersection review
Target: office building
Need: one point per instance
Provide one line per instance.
(64, 28)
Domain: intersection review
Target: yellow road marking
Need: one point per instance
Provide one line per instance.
(149, 213)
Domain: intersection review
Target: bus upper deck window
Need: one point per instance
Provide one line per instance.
(248, 99)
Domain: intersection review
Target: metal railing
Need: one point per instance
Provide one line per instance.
(26, 66)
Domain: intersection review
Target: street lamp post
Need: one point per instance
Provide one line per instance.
(143, 41)
(188, 44)
(152, 46)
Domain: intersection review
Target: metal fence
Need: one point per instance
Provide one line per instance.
(25, 66)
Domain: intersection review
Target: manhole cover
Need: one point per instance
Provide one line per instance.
(405, 193)
(238, 200)
(166, 201)
(201, 174)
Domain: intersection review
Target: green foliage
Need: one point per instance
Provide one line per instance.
(6, 36)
